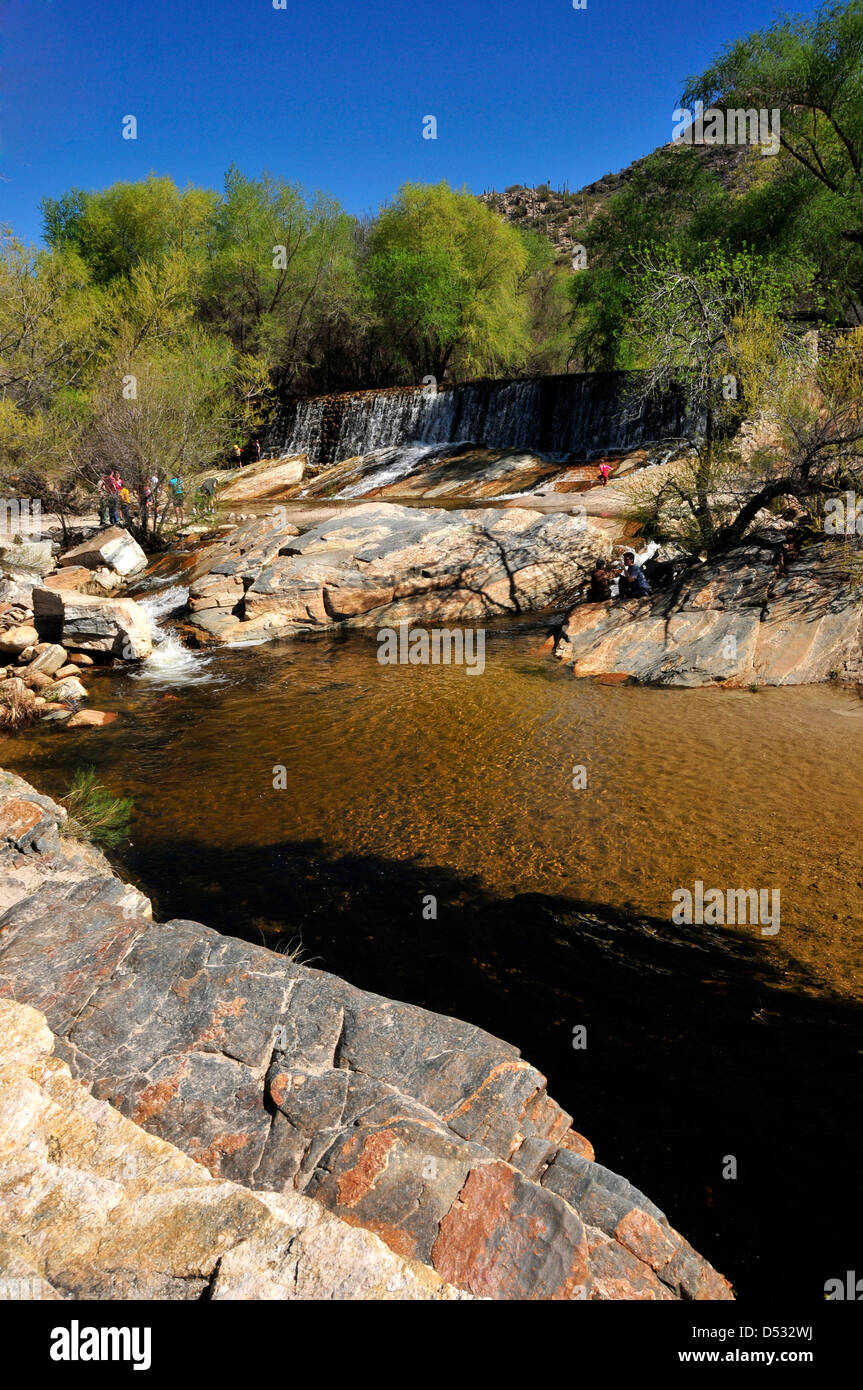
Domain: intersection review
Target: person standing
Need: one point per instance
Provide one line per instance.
(114, 486)
(103, 493)
(176, 486)
(125, 497)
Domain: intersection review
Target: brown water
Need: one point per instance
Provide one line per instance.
(553, 904)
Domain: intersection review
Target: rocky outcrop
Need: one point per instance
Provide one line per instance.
(93, 1207)
(758, 616)
(266, 481)
(426, 1131)
(381, 564)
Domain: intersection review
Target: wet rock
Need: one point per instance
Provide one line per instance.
(422, 1129)
(91, 719)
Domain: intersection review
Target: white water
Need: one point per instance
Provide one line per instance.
(383, 467)
(582, 414)
(171, 662)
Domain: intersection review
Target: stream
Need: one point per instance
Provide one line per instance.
(552, 903)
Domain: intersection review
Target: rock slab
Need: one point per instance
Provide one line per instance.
(430, 1133)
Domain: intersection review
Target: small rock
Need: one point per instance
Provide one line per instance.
(15, 639)
(56, 713)
(91, 719)
(70, 689)
(36, 680)
(51, 658)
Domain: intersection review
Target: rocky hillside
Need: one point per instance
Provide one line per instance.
(563, 216)
(422, 1130)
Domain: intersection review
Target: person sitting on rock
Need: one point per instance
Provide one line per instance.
(633, 581)
(600, 583)
(604, 470)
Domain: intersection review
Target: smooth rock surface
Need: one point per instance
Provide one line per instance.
(14, 640)
(265, 481)
(381, 564)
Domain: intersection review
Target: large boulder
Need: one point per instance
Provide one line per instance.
(86, 622)
(93, 1207)
(266, 481)
(113, 549)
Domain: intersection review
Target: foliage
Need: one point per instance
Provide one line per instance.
(94, 814)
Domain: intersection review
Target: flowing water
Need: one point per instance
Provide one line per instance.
(578, 413)
(553, 901)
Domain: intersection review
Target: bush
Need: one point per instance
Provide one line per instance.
(94, 814)
(17, 711)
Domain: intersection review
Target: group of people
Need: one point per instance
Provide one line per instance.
(115, 499)
(621, 579)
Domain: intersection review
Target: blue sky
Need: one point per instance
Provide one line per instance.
(332, 93)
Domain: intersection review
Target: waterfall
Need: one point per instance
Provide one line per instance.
(171, 663)
(582, 414)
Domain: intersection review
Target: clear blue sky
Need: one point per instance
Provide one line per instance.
(332, 93)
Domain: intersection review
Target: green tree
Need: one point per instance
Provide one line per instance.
(810, 69)
(281, 270)
(445, 278)
(710, 332)
(116, 229)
